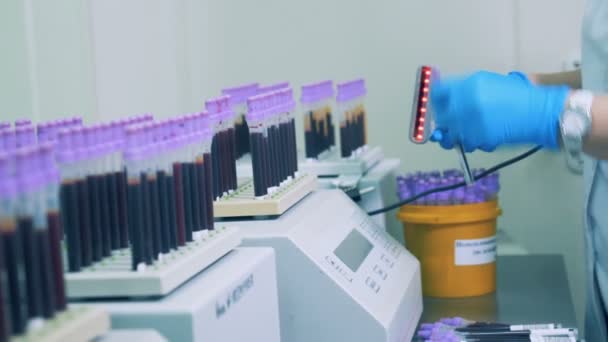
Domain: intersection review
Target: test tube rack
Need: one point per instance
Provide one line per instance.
(330, 163)
(112, 277)
(242, 202)
(74, 324)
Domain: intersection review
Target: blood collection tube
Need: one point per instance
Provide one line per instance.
(27, 177)
(163, 199)
(353, 134)
(152, 203)
(133, 155)
(120, 176)
(207, 136)
(199, 172)
(9, 295)
(53, 222)
(308, 99)
(222, 146)
(283, 131)
(255, 120)
(344, 109)
(212, 113)
(186, 188)
(109, 150)
(103, 187)
(70, 213)
(273, 146)
(327, 93)
(238, 98)
(291, 105)
(178, 187)
(266, 156)
(5, 318)
(167, 165)
(194, 207)
(230, 117)
(88, 201)
(318, 122)
(42, 236)
(146, 197)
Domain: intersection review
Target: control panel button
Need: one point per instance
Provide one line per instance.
(382, 274)
(372, 284)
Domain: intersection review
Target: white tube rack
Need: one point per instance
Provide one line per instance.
(113, 277)
(80, 324)
(244, 203)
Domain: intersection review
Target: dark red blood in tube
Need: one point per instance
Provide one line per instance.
(135, 217)
(15, 269)
(31, 255)
(121, 195)
(179, 204)
(54, 226)
(208, 189)
(47, 284)
(84, 222)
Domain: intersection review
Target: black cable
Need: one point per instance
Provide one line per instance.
(457, 185)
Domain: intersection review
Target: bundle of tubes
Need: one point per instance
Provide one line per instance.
(93, 191)
(319, 135)
(238, 102)
(352, 118)
(32, 286)
(273, 140)
(25, 134)
(170, 199)
(223, 151)
(485, 189)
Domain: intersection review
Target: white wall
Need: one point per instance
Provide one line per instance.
(15, 90)
(107, 58)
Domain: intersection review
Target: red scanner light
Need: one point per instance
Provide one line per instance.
(423, 88)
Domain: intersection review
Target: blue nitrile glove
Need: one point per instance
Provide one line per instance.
(485, 110)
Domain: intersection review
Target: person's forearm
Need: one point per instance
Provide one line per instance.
(569, 78)
(596, 142)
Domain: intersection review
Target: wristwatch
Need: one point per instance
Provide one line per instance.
(575, 124)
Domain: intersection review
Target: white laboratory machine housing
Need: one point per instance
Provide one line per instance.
(340, 276)
(373, 176)
(235, 299)
(377, 189)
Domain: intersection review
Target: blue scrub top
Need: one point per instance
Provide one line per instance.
(595, 78)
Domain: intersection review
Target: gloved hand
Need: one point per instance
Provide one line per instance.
(485, 110)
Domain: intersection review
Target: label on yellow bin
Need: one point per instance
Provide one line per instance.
(475, 251)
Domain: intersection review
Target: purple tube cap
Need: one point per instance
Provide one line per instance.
(23, 122)
(4, 166)
(8, 137)
(309, 93)
(239, 95)
(26, 170)
(7, 184)
(272, 87)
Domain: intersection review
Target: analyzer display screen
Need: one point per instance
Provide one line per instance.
(353, 250)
